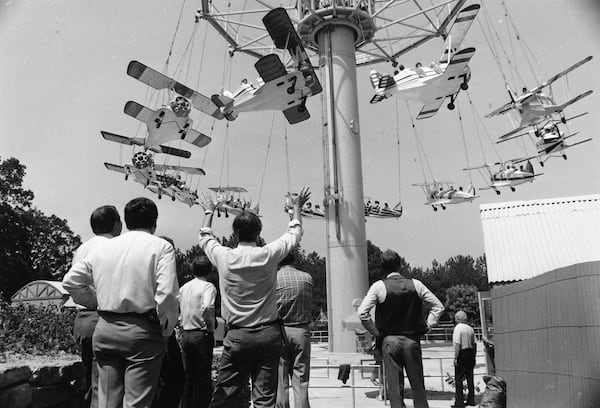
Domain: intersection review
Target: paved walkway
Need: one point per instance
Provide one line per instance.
(326, 391)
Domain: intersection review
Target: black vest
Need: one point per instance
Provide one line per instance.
(402, 311)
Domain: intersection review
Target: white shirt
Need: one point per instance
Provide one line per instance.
(84, 249)
(134, 272)
(248, 275)
(464, 335)
(197, 300)
(377, 294)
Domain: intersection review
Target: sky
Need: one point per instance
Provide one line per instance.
(63, 80)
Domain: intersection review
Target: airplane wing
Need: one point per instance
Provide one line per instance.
(561, 107)
(160, 81)
(296, 114)
(189, 170)
(284, 35)
(459, 29)
(458, 63)
(197, 138)
(501, 110)
(561, 74)
(270, 67)
(139, 141)
(115, 167)
(378, 98)
(139, 112)
(431, 108)
(567, 146)
(512, 134)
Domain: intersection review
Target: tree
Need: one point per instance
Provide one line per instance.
(463, 297)
(32, 244)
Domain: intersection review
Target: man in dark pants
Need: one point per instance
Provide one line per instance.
(465, 349)
(294, 300)
(247, 281)
(197, 299)
(399, 303)
(106, 223)
(137, 298)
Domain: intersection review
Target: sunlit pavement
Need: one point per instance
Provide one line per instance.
(326, 391)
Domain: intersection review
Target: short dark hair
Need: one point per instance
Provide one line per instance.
(247, 226)
(201, 266)
(140, 212)
(104, 218)
(390, 261)
(289, 259)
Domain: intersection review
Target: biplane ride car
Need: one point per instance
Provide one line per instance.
(433, 84)
(233, 201)
(442, 193)
(507, 174)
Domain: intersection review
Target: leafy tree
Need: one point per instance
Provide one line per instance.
(32, 244)
(462, 297)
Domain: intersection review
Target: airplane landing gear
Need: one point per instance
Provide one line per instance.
(564, 156)
(292, 88)
(541, 163)
(451, 105)
(512, 189)
(434, 208)
(173, 198)
(563, 120)
(464, 86)
(497, 192)
(443, 207)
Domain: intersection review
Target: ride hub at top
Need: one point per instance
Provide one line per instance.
(333, 38)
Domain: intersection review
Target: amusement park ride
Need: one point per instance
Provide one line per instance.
(433, 84)
(336, 37)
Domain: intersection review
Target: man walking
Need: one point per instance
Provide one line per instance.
(465, 350)
(197, 340)
(294, 300)
(247, 281)
(399, 326)
(106, 223)
(137, 300)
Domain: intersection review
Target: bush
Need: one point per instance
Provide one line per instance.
(37, 330)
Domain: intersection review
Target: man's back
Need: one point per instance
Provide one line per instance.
(464, 335)
(294, 296)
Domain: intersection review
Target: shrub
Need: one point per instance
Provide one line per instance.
(37, 330)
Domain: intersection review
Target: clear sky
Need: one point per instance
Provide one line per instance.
(63, 79)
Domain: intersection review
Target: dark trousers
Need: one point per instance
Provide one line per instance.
(172, 377)
(83, 329)
(294, 363)
(464, 369)
(249, 353)
(404, 353)
(197, 347)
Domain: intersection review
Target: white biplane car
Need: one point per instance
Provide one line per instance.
(551, 141)
(278, 88)
(432, 85)
(442, 193)
(534, 107)
(507, 174)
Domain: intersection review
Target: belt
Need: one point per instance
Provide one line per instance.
(149, 315)
(258, 326)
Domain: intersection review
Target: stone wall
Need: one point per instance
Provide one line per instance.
(48, 386)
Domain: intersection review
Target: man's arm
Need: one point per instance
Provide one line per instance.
(364, 310)
(167, 290)
(431, 301)
(79, 283)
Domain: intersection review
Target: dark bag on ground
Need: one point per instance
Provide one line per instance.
(494, 395)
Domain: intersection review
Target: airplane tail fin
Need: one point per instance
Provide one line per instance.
(529, 167)
(471, 189)
(375, 78)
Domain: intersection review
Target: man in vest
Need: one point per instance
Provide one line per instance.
(399, 326)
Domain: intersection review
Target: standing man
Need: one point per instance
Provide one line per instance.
(465, 349)
(106, 223)
(137, 300)
(399, 326)
(247, 281)
(294, 300)
(197, 341)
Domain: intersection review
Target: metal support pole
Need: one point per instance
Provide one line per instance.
(347, 274)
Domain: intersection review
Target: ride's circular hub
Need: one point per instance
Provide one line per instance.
(141, 160)
(342, 13)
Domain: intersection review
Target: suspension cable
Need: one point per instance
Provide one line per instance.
(398, 151)
(420, 150)
(262, 179)
(464, 139)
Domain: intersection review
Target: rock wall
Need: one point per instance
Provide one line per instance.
(50, 386)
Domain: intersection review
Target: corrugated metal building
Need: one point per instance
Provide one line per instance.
(524, 239)
(546, 324)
